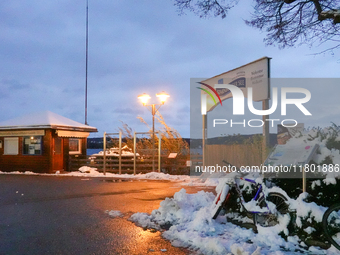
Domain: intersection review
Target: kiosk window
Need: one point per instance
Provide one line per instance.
(75, 146)
(11, 146)
(32, 145)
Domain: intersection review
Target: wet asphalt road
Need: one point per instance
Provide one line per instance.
(66, 215)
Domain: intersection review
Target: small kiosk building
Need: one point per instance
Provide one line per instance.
(41, 142)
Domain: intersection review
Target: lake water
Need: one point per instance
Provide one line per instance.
(93, 151)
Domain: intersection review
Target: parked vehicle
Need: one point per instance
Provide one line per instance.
(331, 224)
(266, 209)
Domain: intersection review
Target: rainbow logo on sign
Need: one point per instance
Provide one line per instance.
(209, 93)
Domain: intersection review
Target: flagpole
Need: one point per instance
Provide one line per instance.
(87, 44)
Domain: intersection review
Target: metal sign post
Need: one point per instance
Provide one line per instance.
(204, 137)
(304, 181)
(120, 153)
(159, 151)
(265, 134)
(134, 153)
(104, 150)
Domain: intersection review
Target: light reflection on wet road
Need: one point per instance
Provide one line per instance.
(66, 215)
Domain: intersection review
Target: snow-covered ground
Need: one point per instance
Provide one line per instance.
(86, 171)
(191, 225)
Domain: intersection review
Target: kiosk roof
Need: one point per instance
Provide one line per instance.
(45, 119)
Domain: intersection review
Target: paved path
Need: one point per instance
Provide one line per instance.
(66, 215)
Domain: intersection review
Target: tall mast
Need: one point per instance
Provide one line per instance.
(87, 44)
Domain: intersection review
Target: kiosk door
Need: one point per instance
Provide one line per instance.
(58, 154)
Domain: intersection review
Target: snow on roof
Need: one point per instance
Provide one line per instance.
(45, 119)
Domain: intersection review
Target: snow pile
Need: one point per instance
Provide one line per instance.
(189, 224)
(182, 213)
(163, 176)
(181, 208)
(17, 172)
(186, 221)
(306, 210)
(114, 152)
(114, 214)
(88, 170)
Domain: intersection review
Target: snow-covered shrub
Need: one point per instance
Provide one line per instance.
(324, 188)
(322, 191)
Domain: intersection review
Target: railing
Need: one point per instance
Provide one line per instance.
(196, 160)
(177, 165)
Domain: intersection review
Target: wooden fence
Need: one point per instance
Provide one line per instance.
(176, 165)
(236, 154)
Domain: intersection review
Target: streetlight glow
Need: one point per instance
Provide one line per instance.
(144, 98)
(162, 96)
(153, 108)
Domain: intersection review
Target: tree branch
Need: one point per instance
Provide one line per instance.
(317, 6)
(286, 22)
(289, 1)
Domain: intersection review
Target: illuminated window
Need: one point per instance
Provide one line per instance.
(11, 146)
(75, 146)
(32, 145)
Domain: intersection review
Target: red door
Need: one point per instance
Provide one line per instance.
(58, 154)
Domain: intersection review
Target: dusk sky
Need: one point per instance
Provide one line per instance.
(135, 47)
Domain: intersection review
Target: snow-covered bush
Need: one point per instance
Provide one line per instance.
(323, 190)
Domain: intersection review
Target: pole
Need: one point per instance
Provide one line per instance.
(304, 183)
(87, 46)
(265, 106)
(204, 136)
(159, 151)
(265, 144)
(120, 153)
(104, 149)
(134, 153)
(153, 136)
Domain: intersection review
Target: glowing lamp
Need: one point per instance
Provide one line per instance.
(162, 96)
(144, 98)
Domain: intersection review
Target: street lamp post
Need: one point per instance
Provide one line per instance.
(153, 108)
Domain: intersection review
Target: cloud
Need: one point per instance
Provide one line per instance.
(126, 111)
(14, 85)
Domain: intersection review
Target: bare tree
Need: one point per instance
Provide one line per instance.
(286, 22)
(204, 8)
